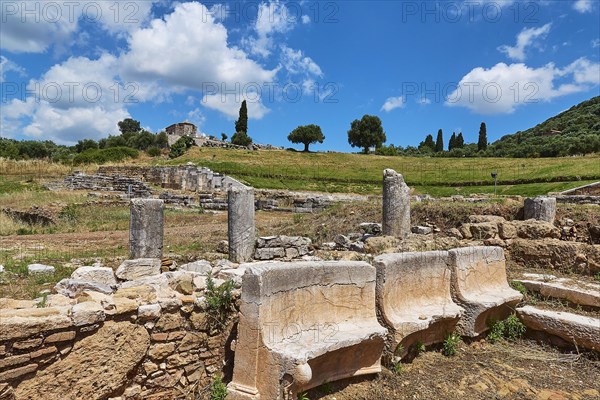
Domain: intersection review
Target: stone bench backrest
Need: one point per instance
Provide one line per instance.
(303, 296)
(408, 281)
(478, 269)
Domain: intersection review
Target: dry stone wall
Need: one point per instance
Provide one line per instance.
(144, 341)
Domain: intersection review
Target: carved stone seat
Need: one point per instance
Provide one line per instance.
(479, 285)
(303, 324)
(413, 294)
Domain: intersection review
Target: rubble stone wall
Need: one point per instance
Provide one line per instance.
(138, 349)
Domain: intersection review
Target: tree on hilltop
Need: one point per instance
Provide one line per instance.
(306, 134)
(366, 133)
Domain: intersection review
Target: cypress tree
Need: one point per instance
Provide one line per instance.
(439, 143)
(241, 125)
(452, 142)
(460, 141)
(482, 142)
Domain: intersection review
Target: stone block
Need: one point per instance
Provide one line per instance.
(396, 205)
(580, 330)
(303, 324)
(146, 228)
(131, 270)
(542, 208)
(102, 275)
(240, 223)
(413, 295)
(479, 285)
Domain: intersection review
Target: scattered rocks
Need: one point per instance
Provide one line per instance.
(40, 269)
(421, 230)
(200, 266)
(288, 247)
(87, 313)
(75, 287)
(102, 275)
(138, 268)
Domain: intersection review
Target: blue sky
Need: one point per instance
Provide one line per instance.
(72, 70)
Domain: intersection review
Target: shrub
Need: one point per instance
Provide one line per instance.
(511, 328)
(241, 139)
(450, 344)
(218, 389)
(219, 300)
(153, 151)
(181, 146)
(101, 156)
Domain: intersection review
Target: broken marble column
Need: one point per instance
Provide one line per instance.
(240, 223)
(542, 208)
(396, 205)
(146, 228)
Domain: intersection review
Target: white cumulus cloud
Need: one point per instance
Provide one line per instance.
(525, 39)
(503, 88)
(393, 103)
(583, 6)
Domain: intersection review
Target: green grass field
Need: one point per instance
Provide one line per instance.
(357, 173)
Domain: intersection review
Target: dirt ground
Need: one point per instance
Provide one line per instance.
(480, 370)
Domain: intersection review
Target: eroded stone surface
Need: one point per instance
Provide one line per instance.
(102, 275)
(97, 365)
(240, 223)
(146, 228)
(139, 268)
(306, 323)
(585, 294)
(396, 205)
(479, 285)
(413, 295)
(577, 329)
(542, 208)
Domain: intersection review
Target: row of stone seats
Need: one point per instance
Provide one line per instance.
(306, 323)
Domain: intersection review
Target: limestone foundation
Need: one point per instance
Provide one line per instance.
(396, 205)
(240, 223)
(542, 208)
(146, 228)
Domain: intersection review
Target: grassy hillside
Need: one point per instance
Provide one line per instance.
(344, 172)
(575, 131)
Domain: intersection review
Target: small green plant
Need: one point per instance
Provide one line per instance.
(219, 299)
(420, 347)
(44, 301)
(303, 396)
(450, 344)
(326, 388)
(398, 368)
(70, 213)
(597, 276)
(514, 328)
(511, 328)
(399, 350)
(218, 389)
(519, 287)
(496, 333)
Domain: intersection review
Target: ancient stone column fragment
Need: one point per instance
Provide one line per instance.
(542, 208)
(240, 223)
(146, 228)
(396, 205)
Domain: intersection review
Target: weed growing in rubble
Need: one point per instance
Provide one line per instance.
(519, 287)
(511, 328)
(597, 276)
(450, 344)
(398, 368)
(219, 299)
(218, 389)
(420, 347)
(303, 396)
